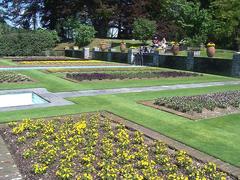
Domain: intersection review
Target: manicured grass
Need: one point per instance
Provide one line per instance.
(57, 84)
(7, 62)
(217, 137)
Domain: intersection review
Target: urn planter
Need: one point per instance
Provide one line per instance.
(211, 51)
(175, 49)
(123, 47)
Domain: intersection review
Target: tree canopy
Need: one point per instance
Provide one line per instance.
(176, 19)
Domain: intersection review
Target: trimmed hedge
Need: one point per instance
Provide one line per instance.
(27, 43)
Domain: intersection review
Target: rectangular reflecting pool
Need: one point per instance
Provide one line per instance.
(20, 99)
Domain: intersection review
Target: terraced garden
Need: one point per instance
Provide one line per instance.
(217, 137)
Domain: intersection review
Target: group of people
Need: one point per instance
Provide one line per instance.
(159, 44)
(156, 43)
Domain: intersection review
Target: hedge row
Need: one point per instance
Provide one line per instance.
(27, 43)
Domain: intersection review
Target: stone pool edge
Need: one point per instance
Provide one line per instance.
(53, 100)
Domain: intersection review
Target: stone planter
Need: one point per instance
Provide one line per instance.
(75, 48)
(197, 53)
(211, 51)
(175, 49)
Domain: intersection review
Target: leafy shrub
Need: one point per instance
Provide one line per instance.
(26, 43)
(144, 29)
(84, 34)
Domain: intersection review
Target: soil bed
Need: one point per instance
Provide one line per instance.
(96, 146)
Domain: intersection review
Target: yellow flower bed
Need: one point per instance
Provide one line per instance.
(60, 62)
(93, 147)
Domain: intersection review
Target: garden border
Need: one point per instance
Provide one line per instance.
(171, 143)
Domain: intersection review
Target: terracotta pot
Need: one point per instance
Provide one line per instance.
(175, 49)
(103, 46)
(122, 47)
(211, 51)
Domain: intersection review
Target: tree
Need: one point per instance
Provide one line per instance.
(84, 34)
(4, 29)
(144, 29)
(191, 18)
(23, 13)
(227, 18)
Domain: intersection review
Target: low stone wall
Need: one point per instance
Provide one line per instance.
(74, 53)
(218, 66)
(213, 65)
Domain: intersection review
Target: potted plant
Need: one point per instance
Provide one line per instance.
(211, 49)
(175, 48)
(122, 46)
(194, 44)
(103, 46)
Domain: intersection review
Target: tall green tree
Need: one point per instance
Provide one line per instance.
(144, 29)
(227, 18)
(191, 18)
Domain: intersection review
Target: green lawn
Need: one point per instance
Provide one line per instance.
(7, 62)
(218, 137)
(57, 84)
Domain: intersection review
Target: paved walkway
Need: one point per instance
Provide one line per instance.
(143, 89)
(63, 67)
(8, 169)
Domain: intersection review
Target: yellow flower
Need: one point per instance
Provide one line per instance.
(210, 45)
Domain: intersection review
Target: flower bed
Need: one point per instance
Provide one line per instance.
(12, 77)
(209, 105)
(141, 69)
(68, 63)
(129, 75)
(94, 147)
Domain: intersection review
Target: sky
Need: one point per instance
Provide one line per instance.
(11, 23)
